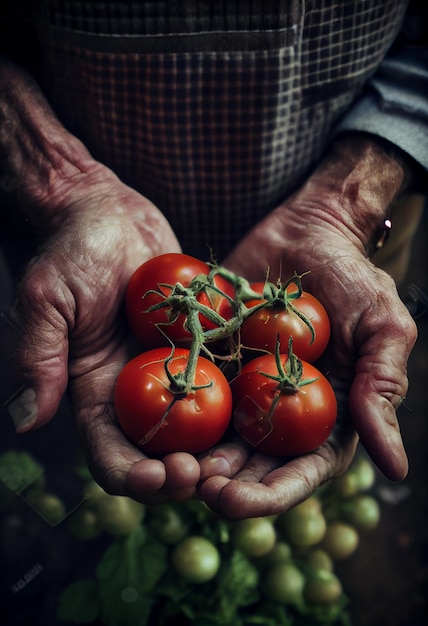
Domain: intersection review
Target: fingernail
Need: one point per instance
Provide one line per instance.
(22, 408)
(215, 466)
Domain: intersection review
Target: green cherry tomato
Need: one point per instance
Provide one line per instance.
(284, 583)
(49, 506)
(304, 525)
(119, 515)
(196, 559)
(317, 558)
(340, 540)
(168, 525)
(362, 511)
(255, 537)
(323, 587)
(84, 524)
(280, 553)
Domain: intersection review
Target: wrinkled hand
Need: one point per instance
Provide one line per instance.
(70, 332)
(67, 322)
(323, 229)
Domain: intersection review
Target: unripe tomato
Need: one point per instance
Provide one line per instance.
(280, 553)
(168, 526)
(317, 558)
(362, 511)
(196, 559)
(304, 525)
(340, 540)
(93, 493)
(49, 506)
(322, 588)
(284, 583)
(84, 524)
(254, 536)
(365, 473)
(347, 485)
(304, 531)
(119, 515)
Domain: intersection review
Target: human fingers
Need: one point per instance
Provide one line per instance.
(116, 464)
(38, 338)
(267, 485)
(225, 459)
(380, 386)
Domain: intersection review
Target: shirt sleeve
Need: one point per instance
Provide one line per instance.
(394, 103)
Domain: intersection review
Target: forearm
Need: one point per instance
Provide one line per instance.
(40, 161)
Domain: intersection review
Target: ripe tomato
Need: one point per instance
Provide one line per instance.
(146, 411)
(154, 274)
(282, 423)
(261, 328)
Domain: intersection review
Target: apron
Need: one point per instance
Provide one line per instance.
(214, 113)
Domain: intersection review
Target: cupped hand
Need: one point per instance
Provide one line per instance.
(70, 331)
(323, 230)
(239, 482)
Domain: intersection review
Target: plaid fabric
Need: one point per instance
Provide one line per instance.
(214, 114)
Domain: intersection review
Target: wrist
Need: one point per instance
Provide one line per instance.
(361, 177)
(40, 160)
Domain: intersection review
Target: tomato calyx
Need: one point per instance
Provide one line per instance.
(289, 381)
(289, 376)
(279, 296)
(181, 385)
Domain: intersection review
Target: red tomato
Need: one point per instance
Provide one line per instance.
(300, 421)
(143, 403)
(170, 269)
(260, 330)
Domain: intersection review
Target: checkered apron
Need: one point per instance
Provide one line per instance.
(215, 111)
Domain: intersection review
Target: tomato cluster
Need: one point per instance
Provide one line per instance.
(216, 350)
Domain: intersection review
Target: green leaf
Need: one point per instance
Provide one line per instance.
(79, 602)
(18, 470)
(238, 581)
(127, 574)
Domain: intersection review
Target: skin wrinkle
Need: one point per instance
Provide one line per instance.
(96, 422)
(313, 469)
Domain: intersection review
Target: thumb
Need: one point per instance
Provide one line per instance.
(38, 339)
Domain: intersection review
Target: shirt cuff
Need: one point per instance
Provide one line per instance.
(406, 132)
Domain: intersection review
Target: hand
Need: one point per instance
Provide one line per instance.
(324, 229)
(70, 331)
(67, 321)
